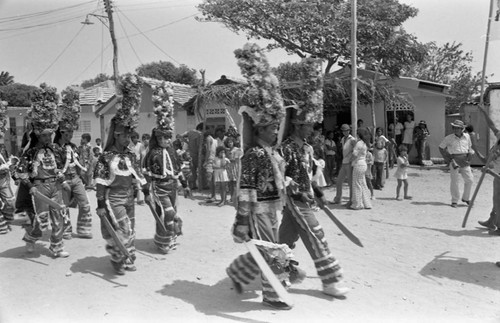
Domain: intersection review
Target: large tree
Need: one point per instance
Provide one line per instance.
(6, 78)
(322, 28)
(18, 95)
(101, 77)
(448, 64)
(169, 72)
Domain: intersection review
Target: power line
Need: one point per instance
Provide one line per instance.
(145, 36)
(128, 39)
(43, 24)
(31, 15)
(58, 56)
(92, 62)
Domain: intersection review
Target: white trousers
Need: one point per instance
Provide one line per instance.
(466, 173)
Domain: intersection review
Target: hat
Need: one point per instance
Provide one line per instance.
(310, 105)
(43, 113)
(458, 124)
(3, 116)
(69, 111)
(422, 122)
(264, 104)
(345, 127)
(127, 115)
(163, 105)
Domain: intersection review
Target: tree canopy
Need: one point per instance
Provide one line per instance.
(18, 95)
(167, 71)
(101, 77)
(322, 28)
(448, 64)
(6, 78)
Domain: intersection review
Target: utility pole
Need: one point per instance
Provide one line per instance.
(354, 69)
(109, 11)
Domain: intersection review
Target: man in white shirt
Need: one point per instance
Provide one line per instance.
(347, 142)
(457, 150)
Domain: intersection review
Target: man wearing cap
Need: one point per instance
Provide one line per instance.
(347, 143)
(456, 150)
(420, 135)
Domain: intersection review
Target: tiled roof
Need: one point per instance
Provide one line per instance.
(100, 92)
(182, 92)
(105, 90)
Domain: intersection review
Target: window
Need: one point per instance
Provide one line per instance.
(85, 126)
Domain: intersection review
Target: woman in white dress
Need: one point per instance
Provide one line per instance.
(408, 133)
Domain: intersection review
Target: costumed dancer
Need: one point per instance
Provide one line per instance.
(115, 172)
(261, 184)
(24, 203)
(298, 218)
(73, 187)
(163, 171)
(6, 195)
(40, 169)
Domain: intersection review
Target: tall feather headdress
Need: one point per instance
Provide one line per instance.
(127, 115)
(69, 111)
(43, 113)
(3, 116)
(310, 106)
(264, 103)
(163, 105)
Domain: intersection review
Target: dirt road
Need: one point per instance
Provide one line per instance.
(417, 264)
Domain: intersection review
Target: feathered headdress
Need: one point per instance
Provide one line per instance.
(310, 107)
(69, 111)
(3, 116)
(263, 96)
(163, 105)
(43, 113)
(127, 115)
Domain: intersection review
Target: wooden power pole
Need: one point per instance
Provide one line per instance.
(109, 11)
(354, 69)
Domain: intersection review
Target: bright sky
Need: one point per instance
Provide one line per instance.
(51, 45)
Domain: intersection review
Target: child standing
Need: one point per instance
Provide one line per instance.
(368, 174)
(401, 172)
(220, 172)
(234, 154)
(186, 169)
(380, 156)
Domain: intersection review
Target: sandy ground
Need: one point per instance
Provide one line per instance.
(417, 264)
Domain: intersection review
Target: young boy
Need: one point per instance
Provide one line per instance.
(380, 156)
(85, 153)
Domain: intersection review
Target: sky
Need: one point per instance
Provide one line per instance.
(44, 40)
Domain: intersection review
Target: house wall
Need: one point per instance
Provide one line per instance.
(430, 108)
(14, 134)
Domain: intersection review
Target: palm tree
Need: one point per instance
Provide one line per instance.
(5, 78)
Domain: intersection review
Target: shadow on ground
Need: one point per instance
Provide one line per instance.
(99, 267)
(485, 274)
(20, 253)
(477, 232)
(226, 305)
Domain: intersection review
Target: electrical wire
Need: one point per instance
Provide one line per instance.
(128, 39)
(31, 15)
(60, 54)
(145, 36)
(92, 62)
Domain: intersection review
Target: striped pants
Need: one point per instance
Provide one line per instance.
(120, 206)
(84, 220)
(44, 213)
(164, 195)
(299, 221)
(244, 269)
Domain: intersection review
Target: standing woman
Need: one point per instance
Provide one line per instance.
(360, 193)
(421, 133)
(116, 171)
(408, 133)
